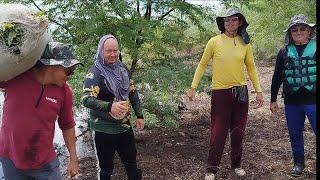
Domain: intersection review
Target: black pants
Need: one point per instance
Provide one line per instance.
(124, 144)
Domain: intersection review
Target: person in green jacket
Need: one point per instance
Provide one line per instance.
(109, 93)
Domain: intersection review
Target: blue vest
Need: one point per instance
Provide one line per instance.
(301, 71)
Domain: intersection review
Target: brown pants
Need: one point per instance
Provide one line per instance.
(228, 112)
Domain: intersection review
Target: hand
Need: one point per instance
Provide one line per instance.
(191, 93)
(274, 107)
(259, 99)
(119, 108)
(140, 124)
(73, 168)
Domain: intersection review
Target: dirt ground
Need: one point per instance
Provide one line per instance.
(180, 154)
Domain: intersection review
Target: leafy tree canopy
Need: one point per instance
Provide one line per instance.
(155, 25)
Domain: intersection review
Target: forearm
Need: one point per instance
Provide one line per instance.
(277, 77)
(103, 116)
(202, 66)
(69, 137)
(99, 109)
(252, 69)
(198, 75)
(253, 74)
(276, 83)
(275, 86)
(95, 104)
(136, 104)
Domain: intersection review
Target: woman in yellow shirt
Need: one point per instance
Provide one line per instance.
(229, 52)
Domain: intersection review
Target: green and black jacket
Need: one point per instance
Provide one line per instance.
(99, 101)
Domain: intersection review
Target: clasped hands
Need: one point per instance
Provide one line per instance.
(119, 109)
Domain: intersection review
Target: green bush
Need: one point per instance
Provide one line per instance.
(161, 85)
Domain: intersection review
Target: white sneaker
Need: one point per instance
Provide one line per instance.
(210, 176)
(239, 171)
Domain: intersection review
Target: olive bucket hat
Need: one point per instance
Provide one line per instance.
(57, 53)
(300, 19)
(242, 29)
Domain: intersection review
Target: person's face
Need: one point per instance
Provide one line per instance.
(111, 51)
(61, 74)
(300, 34)
(231, 24)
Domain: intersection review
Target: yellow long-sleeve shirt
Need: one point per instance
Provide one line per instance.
(228, 55)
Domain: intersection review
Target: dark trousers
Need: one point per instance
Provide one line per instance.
(228, 113)
(124, 145)
(295, 115)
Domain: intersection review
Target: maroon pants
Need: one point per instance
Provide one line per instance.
(227, 113)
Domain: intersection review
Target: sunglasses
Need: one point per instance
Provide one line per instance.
(69, 71)
(232, 19)
(299, 28)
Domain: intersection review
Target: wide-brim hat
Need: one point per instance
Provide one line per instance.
(300, 19)
(57, 53)
(231, 12)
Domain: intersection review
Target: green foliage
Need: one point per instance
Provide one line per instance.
(161, 86)
(171, 123)
(76, 83)
(268, 19)
(151, 120)
(136, 23)
(11, 34)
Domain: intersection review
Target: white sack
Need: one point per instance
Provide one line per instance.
(33, 42)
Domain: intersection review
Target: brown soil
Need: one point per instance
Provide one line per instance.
(180, 154)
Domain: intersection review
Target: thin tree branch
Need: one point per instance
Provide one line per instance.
(54, 21)
(147, 15)
(167, 13)
(138, 7)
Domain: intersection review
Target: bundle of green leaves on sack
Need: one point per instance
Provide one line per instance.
(11, 35)
(23, 38)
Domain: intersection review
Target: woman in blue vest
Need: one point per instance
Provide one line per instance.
(296, 69)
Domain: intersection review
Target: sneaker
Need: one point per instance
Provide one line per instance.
(239, 171)
(297, 170)
(210, 176)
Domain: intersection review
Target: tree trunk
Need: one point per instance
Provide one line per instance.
(134, 63)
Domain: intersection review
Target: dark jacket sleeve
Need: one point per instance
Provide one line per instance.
(134, 97)
(91, 90)
(135, 101)
(277, 77)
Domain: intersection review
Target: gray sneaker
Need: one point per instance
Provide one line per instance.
(240, 171)
(210, 176)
